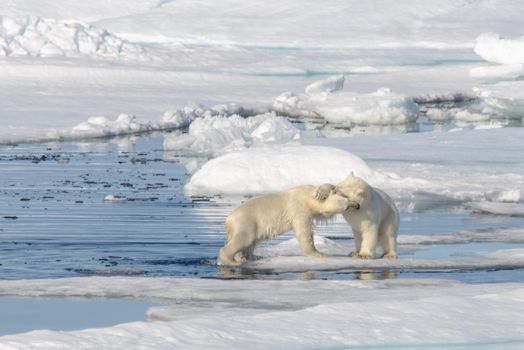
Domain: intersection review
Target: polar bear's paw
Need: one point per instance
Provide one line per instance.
(361, 255)
(390, 255)
(317, 254)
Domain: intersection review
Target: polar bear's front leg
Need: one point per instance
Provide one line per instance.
(369, 241)
(388, 240)
(304, 235)
(357, 236)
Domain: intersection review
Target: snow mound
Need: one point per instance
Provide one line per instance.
(324, 100)
(36, 36)
(115, 199)
(504, 98)
(270, 169)
(100, 126)
(212, 135)
(507, 209)
(496, 49)
(382, 107)
(492, 74)
(331, 84)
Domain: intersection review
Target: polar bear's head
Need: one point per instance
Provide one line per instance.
(355, 189)
(335, 203)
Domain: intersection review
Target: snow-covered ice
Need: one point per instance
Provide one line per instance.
(496, 49)
(323, 99)
(296, 89)
(213, 135)
(424, 313)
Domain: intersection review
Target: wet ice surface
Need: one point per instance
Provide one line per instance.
(23, 314)
(110, 208)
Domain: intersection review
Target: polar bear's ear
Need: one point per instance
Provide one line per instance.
(349, 178)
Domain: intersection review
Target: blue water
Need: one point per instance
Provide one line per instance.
(54, 221)
(21, 315)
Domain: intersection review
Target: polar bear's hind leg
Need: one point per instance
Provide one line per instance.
(239, 244)
(388, 241)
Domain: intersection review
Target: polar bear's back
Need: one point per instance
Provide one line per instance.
(387, 199)
(271, 214)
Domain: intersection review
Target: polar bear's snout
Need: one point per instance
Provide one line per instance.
(353, 205)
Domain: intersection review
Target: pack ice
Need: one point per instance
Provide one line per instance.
(326, 99)
(42, 37)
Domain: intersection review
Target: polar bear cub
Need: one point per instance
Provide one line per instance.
(264, 217)
(377, 220)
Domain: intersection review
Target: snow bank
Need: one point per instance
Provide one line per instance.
(36, 36)
(323, 99)
(407, 314)
(491, 74)
(101, 126)
(212, 135)
(269, 169)
(496, 49)
(328, 85)
(125, 124)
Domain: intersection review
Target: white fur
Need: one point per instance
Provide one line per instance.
(377, 220)
(264, 217)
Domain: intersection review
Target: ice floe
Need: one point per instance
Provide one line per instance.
(407, 313)
(287, 256)
(506, 98)
(325, 99)
(36, 36)
(213, 135)
(299, 263)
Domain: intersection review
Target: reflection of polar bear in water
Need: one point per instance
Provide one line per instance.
(376, 220)
(267, 216)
